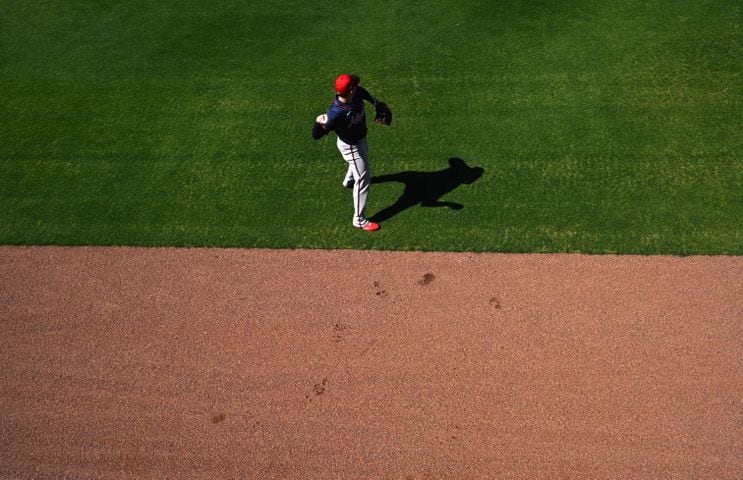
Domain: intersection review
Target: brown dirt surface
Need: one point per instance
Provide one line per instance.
(201, 364)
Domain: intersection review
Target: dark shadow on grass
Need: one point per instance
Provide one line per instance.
(426, 188)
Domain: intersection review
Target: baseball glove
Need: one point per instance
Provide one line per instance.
(383, 114)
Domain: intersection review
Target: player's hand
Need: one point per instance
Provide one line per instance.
(383, 114)
(322, 119)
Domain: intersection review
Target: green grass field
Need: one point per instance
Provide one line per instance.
(600, 126)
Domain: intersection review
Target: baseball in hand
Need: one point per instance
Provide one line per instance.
(322, 119)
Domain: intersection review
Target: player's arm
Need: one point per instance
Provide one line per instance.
(320, 128)
(382, 112)
(368, 96)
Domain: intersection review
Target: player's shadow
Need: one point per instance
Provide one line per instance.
(426, 188)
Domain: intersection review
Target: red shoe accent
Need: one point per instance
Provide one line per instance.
(370, 227)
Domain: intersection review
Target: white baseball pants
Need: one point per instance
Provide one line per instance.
(357, 157)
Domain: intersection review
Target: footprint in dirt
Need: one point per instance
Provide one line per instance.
(219, 418)
(380, 292)
(427, 279)
(338, 330)
(319, 388)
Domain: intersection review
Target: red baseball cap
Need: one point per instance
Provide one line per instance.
(344, 83)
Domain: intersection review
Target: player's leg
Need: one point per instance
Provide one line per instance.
(362, 181)
(348, 179)
(357, 157)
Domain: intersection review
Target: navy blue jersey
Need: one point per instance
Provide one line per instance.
(348, 120)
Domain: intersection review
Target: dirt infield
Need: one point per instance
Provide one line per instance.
(195, 363)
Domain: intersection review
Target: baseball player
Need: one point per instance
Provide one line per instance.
(346, 117)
